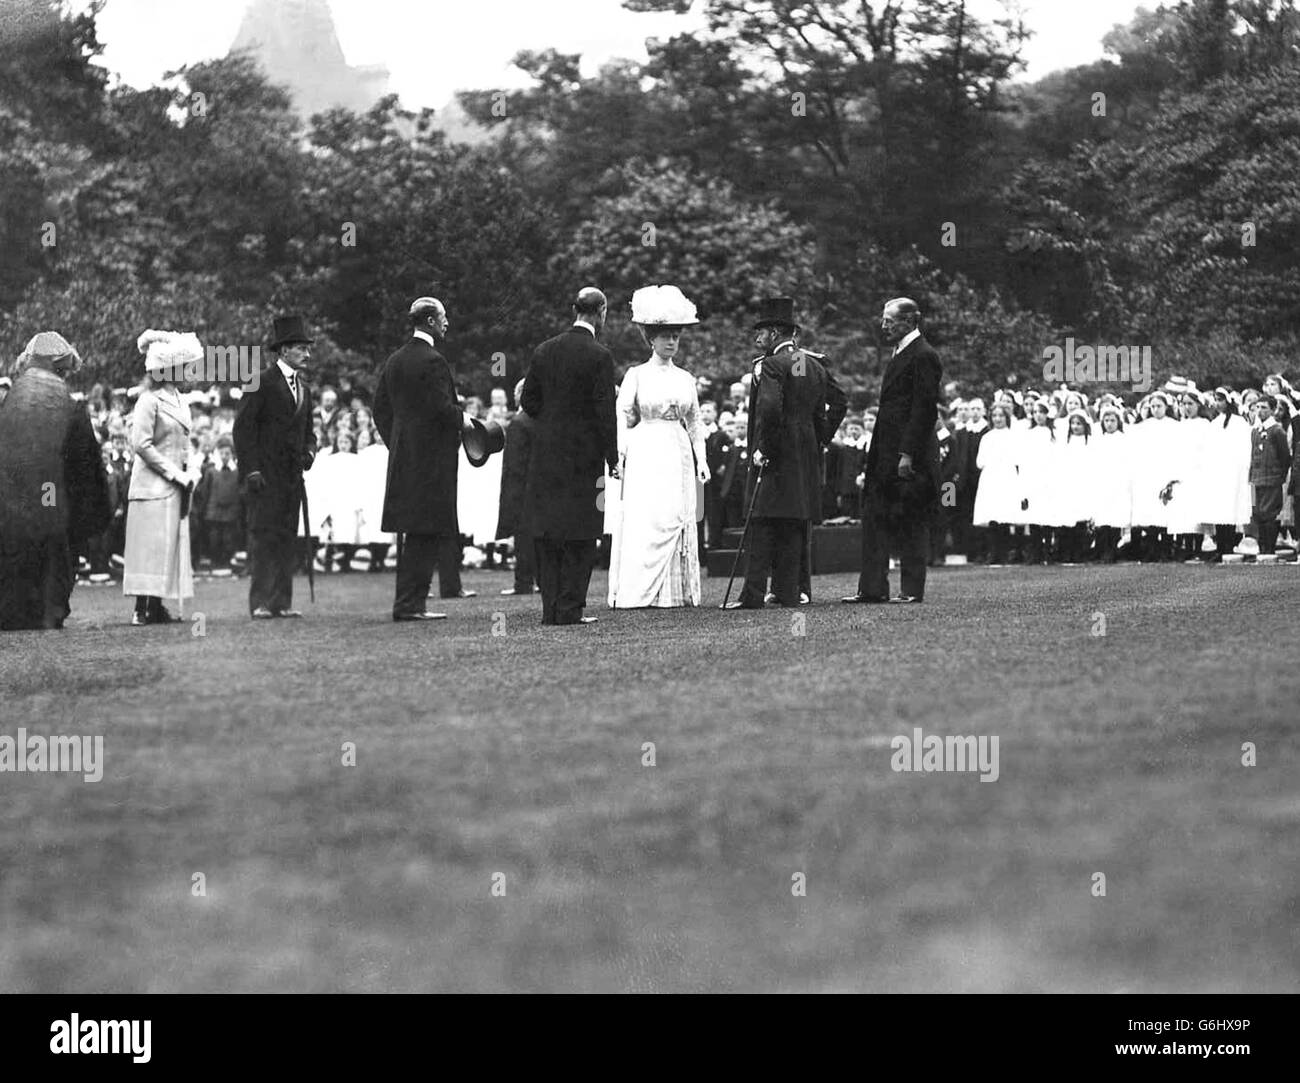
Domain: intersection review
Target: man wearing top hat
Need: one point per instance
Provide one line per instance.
(274, 444)
(53, 487)
(795, 407)
(902, 468)
(417, 414)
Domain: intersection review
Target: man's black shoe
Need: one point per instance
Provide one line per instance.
(863, 599)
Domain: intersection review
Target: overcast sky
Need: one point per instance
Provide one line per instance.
(477, 38)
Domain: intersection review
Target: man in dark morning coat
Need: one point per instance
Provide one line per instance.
(420, 420)
(274, 444)
(569, 393)
(795, 407)
(902, 467)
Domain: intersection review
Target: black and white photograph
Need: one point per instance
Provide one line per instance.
(651, 497)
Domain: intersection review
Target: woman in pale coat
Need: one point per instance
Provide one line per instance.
(157, 551)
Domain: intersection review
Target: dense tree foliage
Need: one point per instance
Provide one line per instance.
(844, 151)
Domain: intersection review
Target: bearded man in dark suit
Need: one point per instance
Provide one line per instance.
(795, 408)
(274, 444)
(417, 414)
(569, 392)
(902, 467)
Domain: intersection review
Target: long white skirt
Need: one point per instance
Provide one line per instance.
(157, 552)
(655, 559)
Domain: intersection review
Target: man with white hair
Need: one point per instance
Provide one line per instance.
(53, 487)
(902, 467)
(418, 415)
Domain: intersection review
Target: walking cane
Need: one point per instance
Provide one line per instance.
(311, 546)
(744, 535)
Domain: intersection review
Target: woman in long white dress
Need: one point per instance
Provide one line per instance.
(654, 560)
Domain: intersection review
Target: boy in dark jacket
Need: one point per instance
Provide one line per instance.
(219, 498)
(1270, 459)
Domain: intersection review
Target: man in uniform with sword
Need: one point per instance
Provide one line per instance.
(795, 407)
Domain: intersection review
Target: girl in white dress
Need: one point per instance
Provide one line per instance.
(1112, 496)
(1183, 514)
(1074, 501)
(997, 499)
(1155, 464)
(654, 560)
(1038, 479)
(1225, 493)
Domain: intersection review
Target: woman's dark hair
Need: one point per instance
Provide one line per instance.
(648, 332)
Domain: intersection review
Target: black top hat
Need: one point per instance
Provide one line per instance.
(289, 330)
(775, 312)
(482, 441)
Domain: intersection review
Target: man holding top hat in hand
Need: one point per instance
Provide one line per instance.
(417, 414)
(795, 407)
(274, 444)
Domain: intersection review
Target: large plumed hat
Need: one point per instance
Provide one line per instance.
(169, 349)
(48, 346)
(662, 306)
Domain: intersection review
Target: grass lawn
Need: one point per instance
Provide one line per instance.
(521, 753)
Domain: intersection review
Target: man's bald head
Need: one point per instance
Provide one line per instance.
(591, 307)
(589, 303)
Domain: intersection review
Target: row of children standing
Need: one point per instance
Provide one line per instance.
(1183, 475)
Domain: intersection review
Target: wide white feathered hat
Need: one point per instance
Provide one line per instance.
(662, 306)
(168, 350)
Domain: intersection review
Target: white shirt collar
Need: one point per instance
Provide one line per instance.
(585, 326)
(426, 336)
(782, 345)
(907, 340)
(288, 370)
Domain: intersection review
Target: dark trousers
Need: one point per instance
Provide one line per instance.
(272, 555)
(564, 573)
(910, 538)
(36, 579)
(1266, 508)
(525, 562)
(222, 539)
(416, 560)
(774, 545)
